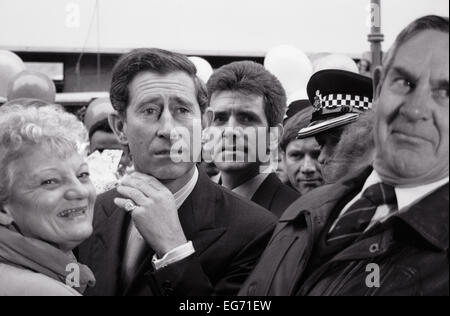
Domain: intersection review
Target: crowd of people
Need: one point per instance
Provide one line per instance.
(340, 192)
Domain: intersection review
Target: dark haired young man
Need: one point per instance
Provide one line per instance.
(246, 99)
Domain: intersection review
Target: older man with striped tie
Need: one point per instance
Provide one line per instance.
(383, 231)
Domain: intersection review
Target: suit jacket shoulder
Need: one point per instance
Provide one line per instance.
(274, 195)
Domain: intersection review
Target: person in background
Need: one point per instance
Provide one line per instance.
(46, 202)
(293, 108)
(300, 155)
(365, 64)
(168, 229)
(338, 97)
(383, 231)
(245, 97)
(101, 136)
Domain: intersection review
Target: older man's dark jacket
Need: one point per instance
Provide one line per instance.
(228, 233)
(410, 249)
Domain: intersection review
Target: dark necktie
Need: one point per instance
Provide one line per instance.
(358, 217)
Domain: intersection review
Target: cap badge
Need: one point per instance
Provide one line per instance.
(318, 101)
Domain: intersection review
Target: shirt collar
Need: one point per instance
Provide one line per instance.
(407, 196)
(249, 188)
(182, 194)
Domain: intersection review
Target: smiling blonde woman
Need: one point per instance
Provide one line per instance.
(46, 202)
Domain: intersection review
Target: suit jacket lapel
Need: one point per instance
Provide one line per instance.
(197, 215)
(109, 245)
(266, 192)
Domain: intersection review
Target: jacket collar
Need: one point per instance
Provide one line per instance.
(429, 217)
(197, 213)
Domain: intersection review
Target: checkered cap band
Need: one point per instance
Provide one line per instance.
(334, 101)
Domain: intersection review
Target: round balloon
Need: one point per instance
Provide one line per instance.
(292, 67)
(10, 66)
(335, 61)
(204, 68)
(32, 85)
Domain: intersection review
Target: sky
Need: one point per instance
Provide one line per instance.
(203, 27)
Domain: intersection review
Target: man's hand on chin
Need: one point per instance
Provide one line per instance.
(156, 214)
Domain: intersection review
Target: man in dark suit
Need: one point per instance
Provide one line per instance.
(385, 230)
(246, 109)
(167, 229)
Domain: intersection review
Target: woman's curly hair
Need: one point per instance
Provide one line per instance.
(48, 128)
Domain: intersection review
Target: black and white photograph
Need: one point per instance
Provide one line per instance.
(224, 153)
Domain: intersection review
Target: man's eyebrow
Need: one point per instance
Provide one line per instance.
(404, 73)
(441, 84)
(180, 100)
(222, 112)
(247, 112)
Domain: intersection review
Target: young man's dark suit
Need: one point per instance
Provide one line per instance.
(411, 249)
(228, 233)
(275, 196)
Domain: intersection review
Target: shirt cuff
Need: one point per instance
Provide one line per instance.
(173, 256)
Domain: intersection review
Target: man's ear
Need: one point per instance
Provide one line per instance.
(208, 117)
(377, 73)
(6, 218)
(275, 135)
(118, 125)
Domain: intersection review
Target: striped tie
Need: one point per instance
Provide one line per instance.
(358, 217)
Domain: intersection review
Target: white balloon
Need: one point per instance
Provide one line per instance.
(335, 61)
(204, 68)
(10, 66)
(292, 67)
